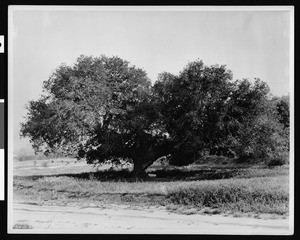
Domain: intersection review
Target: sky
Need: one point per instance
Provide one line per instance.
(253, 44)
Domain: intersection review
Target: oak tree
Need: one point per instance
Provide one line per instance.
(101, 108)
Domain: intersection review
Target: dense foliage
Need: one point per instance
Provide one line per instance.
(205, 112)
(101, 107)
(106, 109)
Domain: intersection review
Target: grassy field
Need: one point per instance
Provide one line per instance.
(213, 189)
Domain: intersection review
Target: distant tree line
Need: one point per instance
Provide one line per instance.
(103, 108)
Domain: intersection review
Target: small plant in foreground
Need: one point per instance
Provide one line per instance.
(22, 226)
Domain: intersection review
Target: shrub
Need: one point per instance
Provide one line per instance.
(277, 162)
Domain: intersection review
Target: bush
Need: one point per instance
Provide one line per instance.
(277, 162)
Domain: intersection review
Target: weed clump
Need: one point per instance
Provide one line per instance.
(22, 226)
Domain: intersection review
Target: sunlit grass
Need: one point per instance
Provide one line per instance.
(259, 195)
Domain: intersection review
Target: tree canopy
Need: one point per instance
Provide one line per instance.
(206, 112)
(104, 108)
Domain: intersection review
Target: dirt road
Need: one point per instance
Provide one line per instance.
(119, 219)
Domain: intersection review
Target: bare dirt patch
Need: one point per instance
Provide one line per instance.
(122, 219)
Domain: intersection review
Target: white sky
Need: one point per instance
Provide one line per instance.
(251, 44)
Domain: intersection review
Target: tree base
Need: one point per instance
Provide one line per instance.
(140, 175)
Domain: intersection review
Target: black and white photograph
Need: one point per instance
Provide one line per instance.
(151, 120)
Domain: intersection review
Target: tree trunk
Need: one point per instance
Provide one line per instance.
(140, 166)
(143, 160)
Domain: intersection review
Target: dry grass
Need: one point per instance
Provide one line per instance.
(256, 190)
(258, 195)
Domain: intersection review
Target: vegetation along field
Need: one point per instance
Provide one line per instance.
(253, 190)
